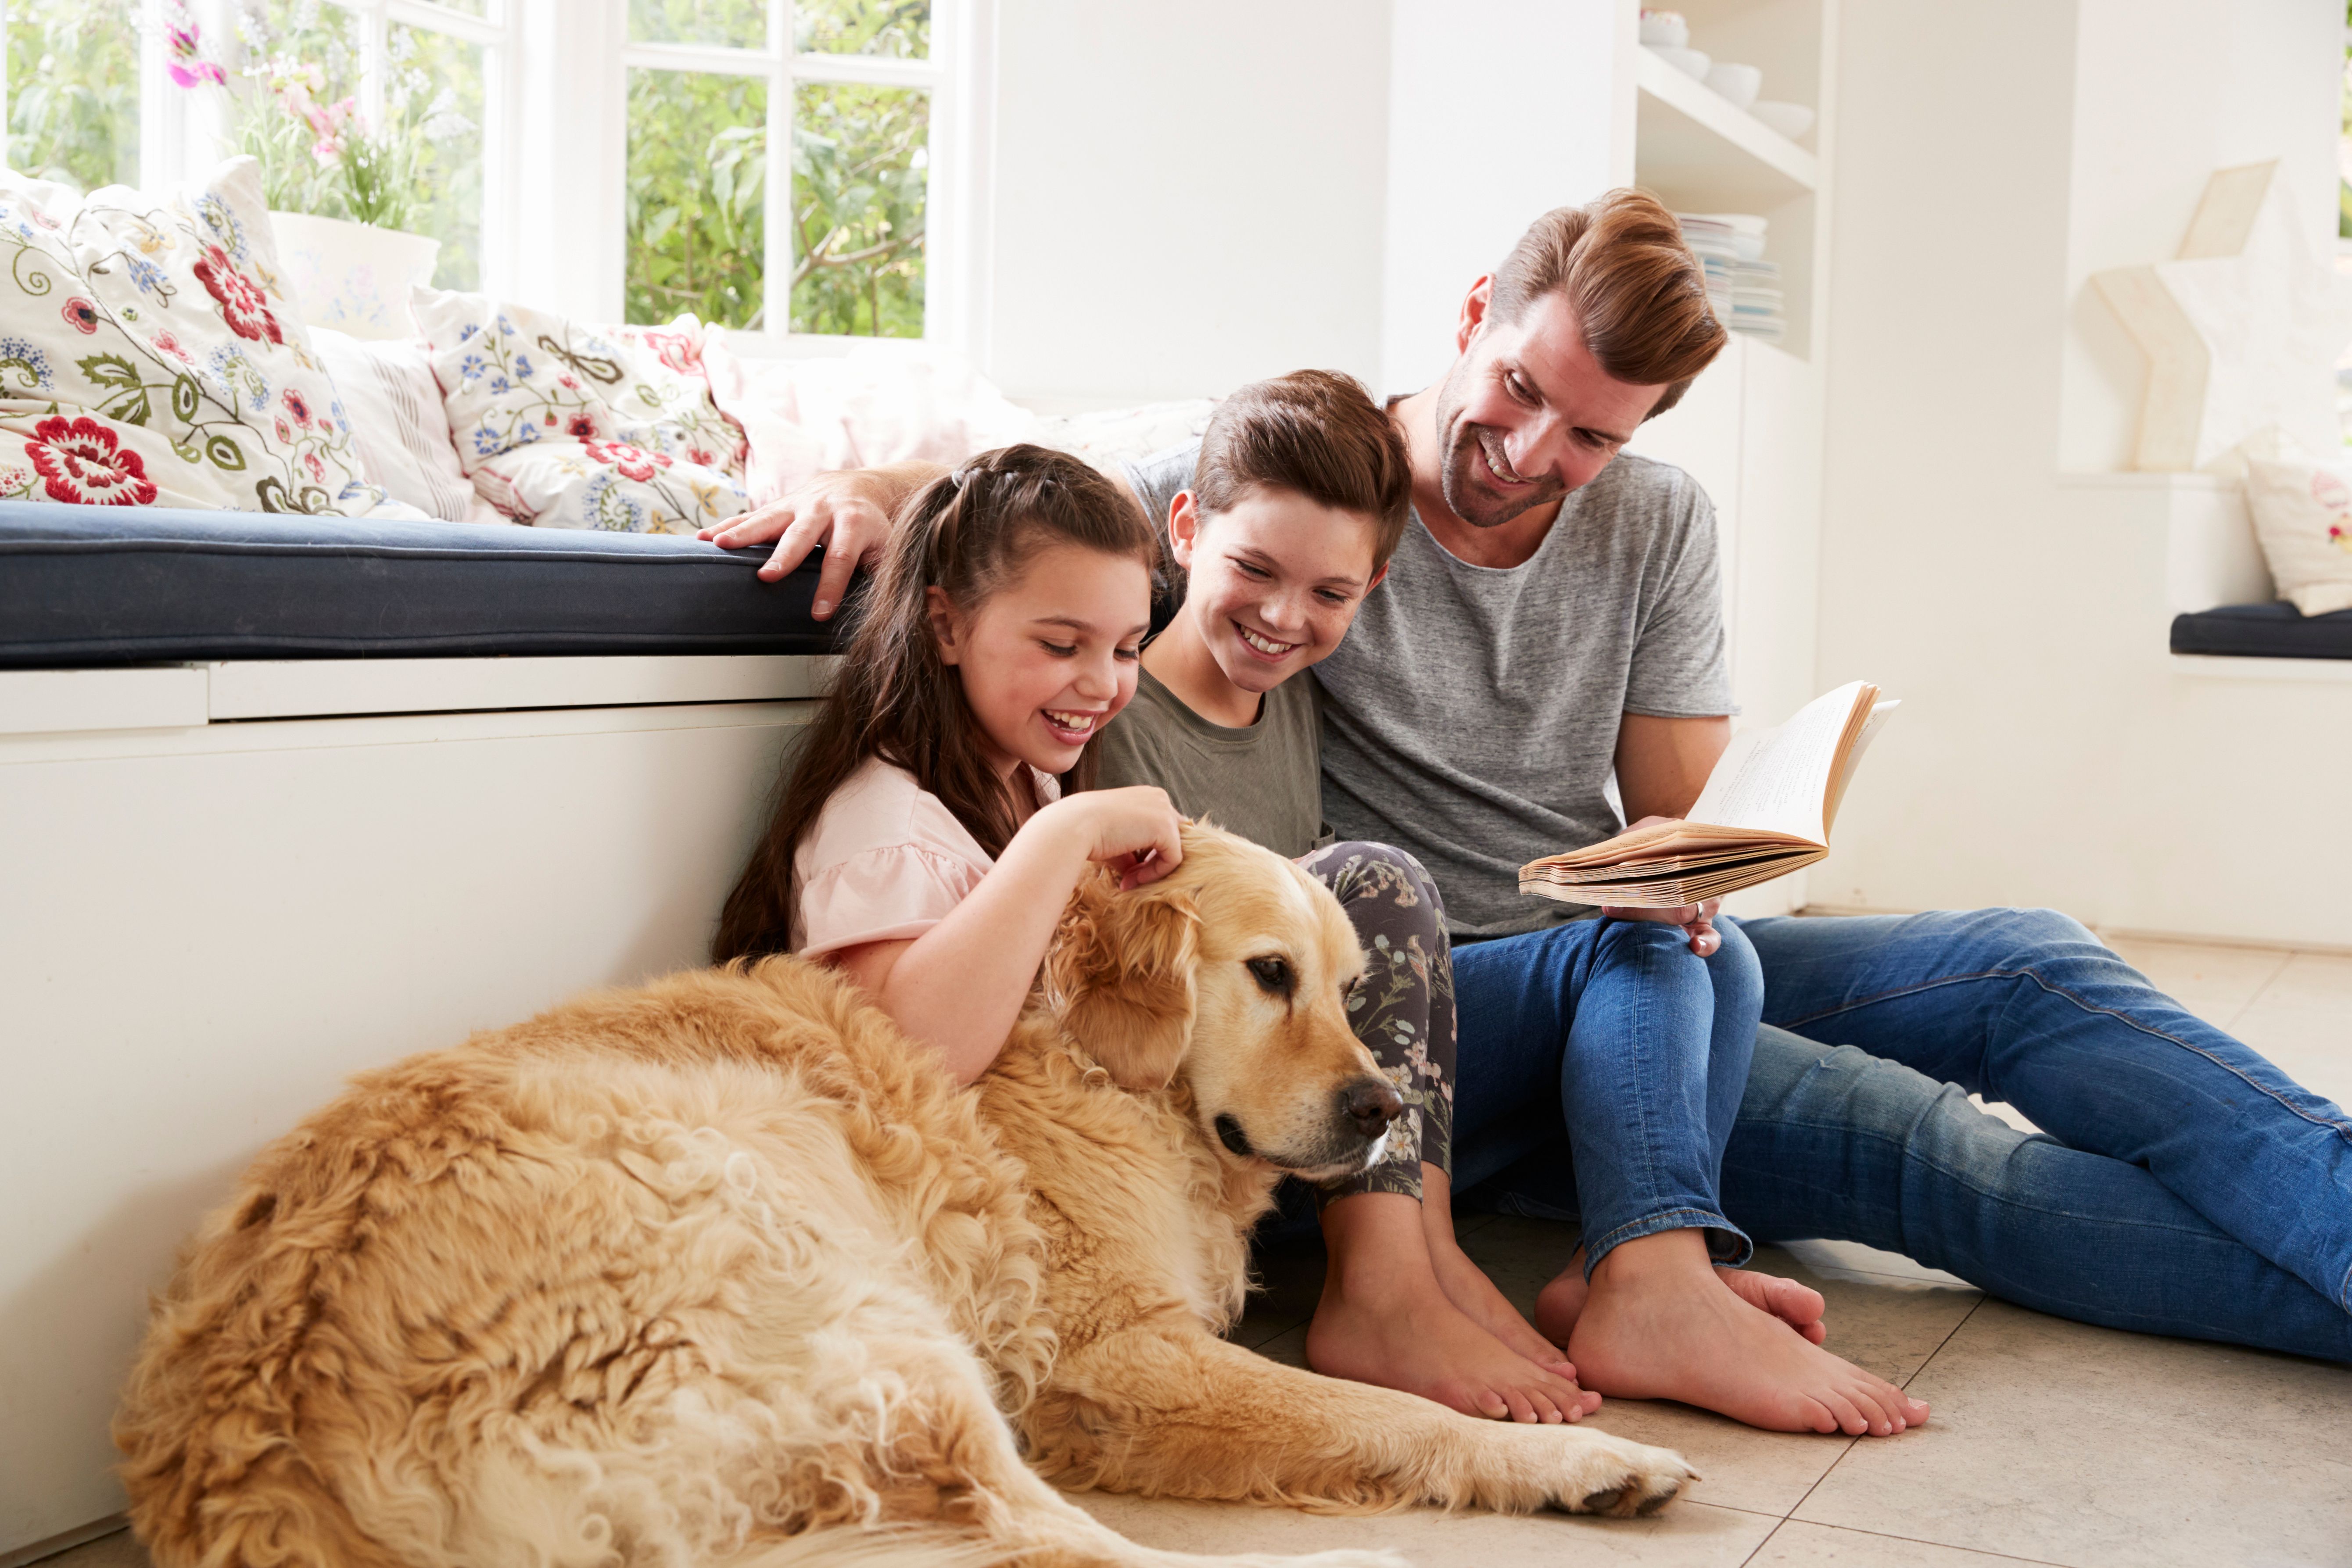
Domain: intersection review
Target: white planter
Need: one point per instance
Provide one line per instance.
(354, 277)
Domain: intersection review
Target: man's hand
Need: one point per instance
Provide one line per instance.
(1696, 919)
(847, 512)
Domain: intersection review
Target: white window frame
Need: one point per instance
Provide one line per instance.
(555, 145)
(180, 131)
(948, 176)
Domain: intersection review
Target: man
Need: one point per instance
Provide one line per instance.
(2185, 1186)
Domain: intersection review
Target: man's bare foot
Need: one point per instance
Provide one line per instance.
(1799, 1306)
(1412, 1337)
(1660, 1323)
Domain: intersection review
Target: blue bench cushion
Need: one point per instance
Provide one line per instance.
(91, 585)
(2264, 632)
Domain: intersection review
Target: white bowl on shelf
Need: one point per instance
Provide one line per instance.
(1739, 83)
(1791, 120)
(1692, 63)
(1666, 29)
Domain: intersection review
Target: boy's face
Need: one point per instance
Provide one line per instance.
(1276, 580)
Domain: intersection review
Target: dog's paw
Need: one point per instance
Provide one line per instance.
(1610, 1475)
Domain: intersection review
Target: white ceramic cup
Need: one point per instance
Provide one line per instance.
(1740, 84)
(1791, 120)
(1690, 62)
(1666, 29)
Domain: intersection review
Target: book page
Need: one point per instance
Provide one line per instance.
(1876, 722)
(1779, 781)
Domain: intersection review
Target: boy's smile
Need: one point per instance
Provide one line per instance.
(1276, 580)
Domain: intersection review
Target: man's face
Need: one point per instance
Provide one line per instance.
(1527, 414)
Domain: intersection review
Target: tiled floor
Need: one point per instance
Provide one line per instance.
(2052, 1443)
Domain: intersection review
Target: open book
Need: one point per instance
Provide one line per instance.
(1766, 811)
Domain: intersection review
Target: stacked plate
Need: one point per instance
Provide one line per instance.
(1743, 288)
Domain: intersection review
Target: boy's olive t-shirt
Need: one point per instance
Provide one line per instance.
(1470, 716)
(1263, 782)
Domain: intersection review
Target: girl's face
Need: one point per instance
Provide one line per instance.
(1048, 659)
(1276, 580)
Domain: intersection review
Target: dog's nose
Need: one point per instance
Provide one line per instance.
(1372, 1104)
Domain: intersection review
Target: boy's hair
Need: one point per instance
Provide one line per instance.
(970, 533)
(1636, 288)
(1316, 433)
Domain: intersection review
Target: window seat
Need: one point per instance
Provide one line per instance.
(2273, 631)
(103, 585)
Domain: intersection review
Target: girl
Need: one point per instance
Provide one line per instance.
(924, 845)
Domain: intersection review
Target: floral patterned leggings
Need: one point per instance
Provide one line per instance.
(1403, 1012)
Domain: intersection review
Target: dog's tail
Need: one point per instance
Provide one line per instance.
(1058, 1542)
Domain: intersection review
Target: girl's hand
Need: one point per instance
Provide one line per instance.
(1696, 919)
(1136, 832)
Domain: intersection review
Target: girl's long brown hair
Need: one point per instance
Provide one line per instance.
(968, 533)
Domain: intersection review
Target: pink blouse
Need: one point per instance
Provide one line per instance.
(885, 861)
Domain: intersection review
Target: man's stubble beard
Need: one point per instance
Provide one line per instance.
(1458, 456)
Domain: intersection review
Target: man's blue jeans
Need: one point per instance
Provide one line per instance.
(2185, 1186)
(1598, 1071)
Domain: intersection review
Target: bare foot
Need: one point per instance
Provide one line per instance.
(1466, 1286)
(1410, 1337)
(1560, 1302)
(1660, 1323)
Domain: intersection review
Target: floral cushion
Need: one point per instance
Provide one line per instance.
(149, 355)
(580, 427)
(2303, 519)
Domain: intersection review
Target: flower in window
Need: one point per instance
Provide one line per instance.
(81, 461)
(81, 315)
(633, 462)
(243, 304)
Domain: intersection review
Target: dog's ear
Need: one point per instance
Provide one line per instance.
(1119, 976)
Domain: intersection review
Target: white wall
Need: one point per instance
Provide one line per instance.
(2049, 750)
(1500, 111)
(1185, 197)
(2166, 92)
(276, 906)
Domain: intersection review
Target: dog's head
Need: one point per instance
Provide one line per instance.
(1233, 971)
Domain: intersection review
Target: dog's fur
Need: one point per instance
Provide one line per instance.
(724, 1269)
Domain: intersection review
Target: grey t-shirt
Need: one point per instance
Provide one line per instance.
(1260, 782)
(1471, 714)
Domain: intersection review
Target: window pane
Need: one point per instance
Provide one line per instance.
(73, 91)
(738, 24)
(470, 7)
(433, 107)
(698, 171)
(301, 52)
(860, 158)
(901, 29)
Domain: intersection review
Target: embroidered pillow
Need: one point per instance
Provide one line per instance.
(149, 355)
(2303, 517)
(404, 437)
(568, 426)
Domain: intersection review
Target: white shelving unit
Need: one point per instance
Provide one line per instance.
(1749, 430)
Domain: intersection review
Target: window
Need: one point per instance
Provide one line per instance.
(610, 158)
(833, 239)
(73, 91)
(83, 74)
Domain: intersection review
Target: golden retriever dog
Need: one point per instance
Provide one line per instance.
(725, 1270)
